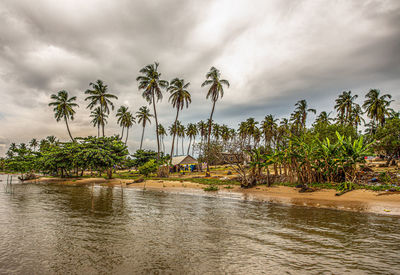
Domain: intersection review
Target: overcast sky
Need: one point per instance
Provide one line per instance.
(274, 53)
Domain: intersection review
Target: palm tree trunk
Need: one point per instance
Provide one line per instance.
(194, 142)
(98, 130)
(183, 149)
(102, 124)
(209, 136)
(177, 146)
(141, 141)
(69, 132)
(155, 116)
(127, 133)
(122, 134)
(190, 142)
(173, 138)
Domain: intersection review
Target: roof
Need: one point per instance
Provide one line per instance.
(183, 160)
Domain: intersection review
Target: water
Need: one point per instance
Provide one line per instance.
(47, 229)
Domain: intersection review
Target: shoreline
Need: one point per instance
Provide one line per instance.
(366, 201)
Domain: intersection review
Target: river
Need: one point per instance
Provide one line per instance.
(48, 229)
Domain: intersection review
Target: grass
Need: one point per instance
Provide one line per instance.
(211, 188)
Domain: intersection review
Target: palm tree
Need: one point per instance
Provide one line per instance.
(173, 130)
(377, 106)
(162, 133)
(99, 118)
(191, 132)
(216, 90)
(99, 96)
(268, 128)
(129, 120)
(344, 106)
(151, 84)
(52, 139)
(179, 98)
(300, 113)
(143, 116)
(122, 113)
(356, 115)
(63, 108)
(181, 134)
(323, 119)
(33, 143)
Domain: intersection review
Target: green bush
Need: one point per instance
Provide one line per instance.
(148, 168)
(211, 188)
(384, 177)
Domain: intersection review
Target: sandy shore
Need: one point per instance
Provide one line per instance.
(359, 200)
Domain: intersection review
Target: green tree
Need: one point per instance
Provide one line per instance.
(191, 132)
(162, 132)
(344, 106)
(377, 106)
(152, 85)
(33, 144)
(122, 114)
(63, 108)
(99, 95)
(216, 90)
(143, 116)
(179, 97)
(99, 118)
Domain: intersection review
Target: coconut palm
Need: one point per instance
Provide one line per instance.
(191, 132)
(99, 118)
(181, 133)
(216, 90)
(99, 95)
(143, 116)
(179, 98)
(51, 139)
(344, 106)
(356, 116)
(151, 84)
(300, 114)
(64, 108)
(128, 122)
(33, 144)
(173, 130)
(162, 133)
(268, 128)
(122, 114)
(323, 119)
(377, 106)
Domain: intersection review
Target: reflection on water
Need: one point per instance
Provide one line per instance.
(63, 229)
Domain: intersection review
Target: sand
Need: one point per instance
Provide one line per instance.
(387, 203)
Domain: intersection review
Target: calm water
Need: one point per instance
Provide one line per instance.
(47, 229)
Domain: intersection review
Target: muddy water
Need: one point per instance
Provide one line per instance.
(47, 229)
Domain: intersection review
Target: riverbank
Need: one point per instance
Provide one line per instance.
(380, 202)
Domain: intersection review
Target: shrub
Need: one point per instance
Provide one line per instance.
(211, 188)
(149, 167)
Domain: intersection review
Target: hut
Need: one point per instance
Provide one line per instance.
(184, 163)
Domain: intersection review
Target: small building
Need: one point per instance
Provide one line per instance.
(187, 163)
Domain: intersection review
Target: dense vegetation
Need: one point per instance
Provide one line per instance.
(286, 150)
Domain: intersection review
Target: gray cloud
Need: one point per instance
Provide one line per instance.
(273, 53)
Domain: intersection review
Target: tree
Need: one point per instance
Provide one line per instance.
(179, 97)
(299, 117)
(122, 113)
(268, 128)
(162, 132)
(148, 168)
(216, 90)
(344, 106)
(64, 108)
(140, 157)
(99, 118)
(151, 84)
(33, 144)
(128, 123)
(377, 106)
(181, 134)
(323, 118)
(388, 138)
(191, 132)
(99, 95)
(143, 116)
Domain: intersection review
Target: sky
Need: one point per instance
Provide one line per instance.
(273, 52)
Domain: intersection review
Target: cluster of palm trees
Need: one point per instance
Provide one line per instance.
(152, 86)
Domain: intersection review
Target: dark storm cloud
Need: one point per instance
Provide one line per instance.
(273, 53)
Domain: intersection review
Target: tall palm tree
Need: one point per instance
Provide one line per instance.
(268, 128)
(191, 132)
(213, 79)
(99, 118)
(143, 116)
(64, 108)
(377, 106)
(182, 134)
(173, 130)
(344, 106)
(128, 122)
(99, 95)
(122, 114)
(151, 84)
(356, 116)
(179, 98)
(323, 119)
(33, 144)
(300, 113)
(162, 132)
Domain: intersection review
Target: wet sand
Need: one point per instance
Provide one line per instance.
(359, 200)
